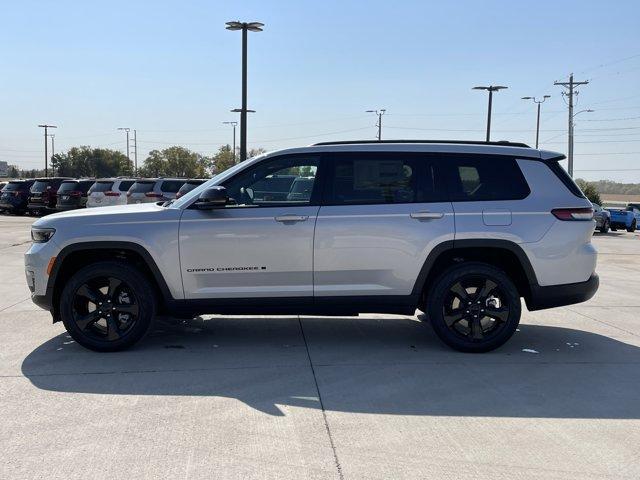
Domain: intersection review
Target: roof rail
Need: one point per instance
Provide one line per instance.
(501, 143)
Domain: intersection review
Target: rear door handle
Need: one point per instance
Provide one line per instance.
(426, 215)
(291, 218)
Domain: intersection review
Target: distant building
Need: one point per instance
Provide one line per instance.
(4, 169)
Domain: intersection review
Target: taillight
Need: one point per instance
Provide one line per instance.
(153, 195)
(112, 194)
(573, 214)
(75, 193)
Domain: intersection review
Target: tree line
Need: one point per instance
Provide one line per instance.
(176, 161)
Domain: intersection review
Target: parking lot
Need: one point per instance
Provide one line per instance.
(375, 396)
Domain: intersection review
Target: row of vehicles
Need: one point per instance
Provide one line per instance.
(51, 194)
(614, 218)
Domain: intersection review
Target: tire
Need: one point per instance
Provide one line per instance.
(605, 227)
(614, 229)
(485, 289)
(632, 228)
(125, 291)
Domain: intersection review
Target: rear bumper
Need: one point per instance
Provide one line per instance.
(559, 295)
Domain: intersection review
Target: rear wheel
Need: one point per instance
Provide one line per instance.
(474, 307)
(107, 306)
(605, 227)
(632, 228)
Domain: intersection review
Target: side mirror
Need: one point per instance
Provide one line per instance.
(214, 197)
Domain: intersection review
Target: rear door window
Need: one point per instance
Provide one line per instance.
(484, 178)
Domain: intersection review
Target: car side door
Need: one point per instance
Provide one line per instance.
(381, 216)
(259, 245)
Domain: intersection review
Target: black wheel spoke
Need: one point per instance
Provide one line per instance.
(113, 332)
(114, 283)
(459, 291)
(89, 293)
(453, 318)
(501, 314)
(131, 309)
(486, 289)
(84, 321)
(476, 329)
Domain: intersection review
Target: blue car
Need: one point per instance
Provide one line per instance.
(627, 218)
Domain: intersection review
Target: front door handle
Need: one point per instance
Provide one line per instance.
(426, 215)
(291, 218)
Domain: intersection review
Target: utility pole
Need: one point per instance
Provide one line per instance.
(539, 102)
(570, 85)
(46, 147)
(53, 145)
(126, 129)
(135, 152)
(490, 89)
(234, 124)
(379, 113)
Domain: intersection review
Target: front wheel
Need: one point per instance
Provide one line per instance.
(474, 307)
(605, 227)
(107, 306)
(632, 228)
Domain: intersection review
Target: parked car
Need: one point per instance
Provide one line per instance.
(151, 190)
(301, 189)
(459, 230)
(15, 196)
(627, 218)
(189, 185)
(72, 194)
(602, 218)
(2, 185)
(44, 194)
(107, 192)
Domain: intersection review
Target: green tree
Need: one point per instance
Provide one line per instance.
(175, 162)
(85, 161)
(589, 190)
(222, 160)
(13, 172)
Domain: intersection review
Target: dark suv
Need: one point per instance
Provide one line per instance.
(15, 195)
(73, 194)
(44, 194)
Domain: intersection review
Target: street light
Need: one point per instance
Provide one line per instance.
(245, 27)
(234, 124)
(126, 129)
(46, 146)
(539, 102)
(379, 113)
(490, 89)
(570, 152)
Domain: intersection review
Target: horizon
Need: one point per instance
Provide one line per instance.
(172, 72)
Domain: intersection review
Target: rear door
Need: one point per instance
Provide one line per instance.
(382, 213)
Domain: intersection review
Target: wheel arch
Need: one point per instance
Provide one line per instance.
(81, 254)
(504, 254)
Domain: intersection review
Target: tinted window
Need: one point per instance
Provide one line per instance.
(68, 187)
(485, 178)
(101, 187)
(564, 177)
(270, 182)
(125, 185)
(171, 185)
(14, 187)
(187, 187)
(85, 185)
(39, 186)
(142, 187)
(377, 178)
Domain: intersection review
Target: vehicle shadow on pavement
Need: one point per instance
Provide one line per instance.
(391, 366)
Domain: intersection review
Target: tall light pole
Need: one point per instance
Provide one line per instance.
(126, 129)
(46, 146)
(245, 27)
(53, 145)
(234, 124)
(379, 113)
(490, 89)
(539, 102)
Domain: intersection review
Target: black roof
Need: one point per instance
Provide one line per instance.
(501, 143)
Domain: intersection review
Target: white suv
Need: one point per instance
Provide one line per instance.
(459, 230)
(107, 192)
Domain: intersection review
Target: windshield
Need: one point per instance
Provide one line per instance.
(216, 180)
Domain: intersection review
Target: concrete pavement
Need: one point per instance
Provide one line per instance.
(376, 396)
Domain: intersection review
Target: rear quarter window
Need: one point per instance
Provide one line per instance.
(564, 177)
(475, 178)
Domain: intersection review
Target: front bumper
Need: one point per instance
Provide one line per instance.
(558, 295)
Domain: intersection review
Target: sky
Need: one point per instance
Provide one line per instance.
(170, 70)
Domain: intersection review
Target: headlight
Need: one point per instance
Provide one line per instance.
(42, 235)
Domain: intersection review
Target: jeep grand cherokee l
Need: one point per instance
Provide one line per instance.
(459, 230)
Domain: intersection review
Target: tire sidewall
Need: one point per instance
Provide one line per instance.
(134, 279)
(436, 297)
